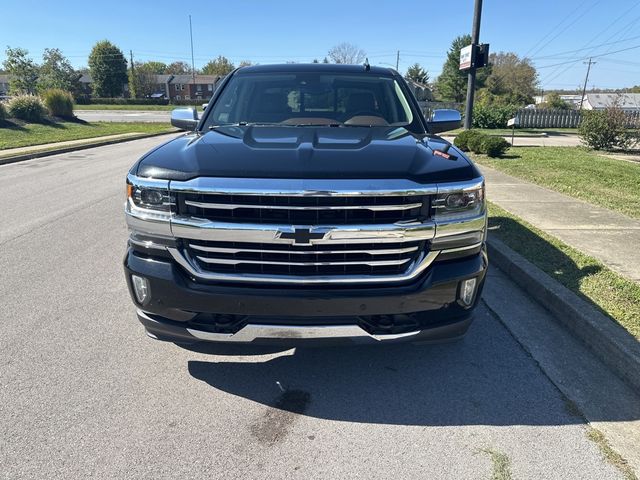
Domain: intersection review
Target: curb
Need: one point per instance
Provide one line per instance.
(613, 345)
(73, 148)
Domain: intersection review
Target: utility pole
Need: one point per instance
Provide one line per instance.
(471, 83)
(397, 60)
(133, 76)
(193, 63)
(586, 79)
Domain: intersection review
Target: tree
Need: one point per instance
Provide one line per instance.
(142, 78)
(553, 100)
(178, 68)
(347, 53)
(635, 89)
(23, 70)
(245, 63)
(418, 74)
(512, 81)
(56, 72)
(325, 60)
(153, 67)
(219, 66)
(108, 69)
(452, 82)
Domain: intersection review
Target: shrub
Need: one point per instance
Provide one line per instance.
(606, 129)
(3, 112)
(462, 139)
(58, 102)
(493, 146)
(492, 116)
(475, 142)
(27, 107)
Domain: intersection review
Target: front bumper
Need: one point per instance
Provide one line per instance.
(184, 311)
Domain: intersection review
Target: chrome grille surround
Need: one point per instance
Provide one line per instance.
(233, 251)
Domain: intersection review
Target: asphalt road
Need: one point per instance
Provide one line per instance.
(84, 393)
(155, 116)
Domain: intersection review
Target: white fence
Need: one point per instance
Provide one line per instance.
(533, 118)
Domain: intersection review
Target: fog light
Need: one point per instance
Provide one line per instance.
(140, 288)
(467, 291)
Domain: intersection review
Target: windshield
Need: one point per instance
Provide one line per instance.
(308, 98)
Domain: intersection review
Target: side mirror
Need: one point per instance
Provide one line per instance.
(444, 120)
(184, 118)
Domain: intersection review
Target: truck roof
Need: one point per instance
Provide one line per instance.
(315, 67)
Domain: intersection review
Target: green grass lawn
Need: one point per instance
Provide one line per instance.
(166, 108)
(616, 296)
(519, 132)
(13, 135)
(577, 172)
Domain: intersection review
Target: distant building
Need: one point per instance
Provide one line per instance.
(629, 102)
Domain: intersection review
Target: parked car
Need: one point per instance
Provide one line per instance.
(309, 202)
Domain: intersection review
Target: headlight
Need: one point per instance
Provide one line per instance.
(455, 204)
(151, 195)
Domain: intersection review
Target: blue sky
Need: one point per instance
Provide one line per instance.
(550, 32)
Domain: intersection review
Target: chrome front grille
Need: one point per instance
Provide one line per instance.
(304, 210)
(321, 260)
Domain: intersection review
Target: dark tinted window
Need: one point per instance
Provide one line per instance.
(312, 99)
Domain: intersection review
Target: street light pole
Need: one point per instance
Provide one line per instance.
(471, 83)
(193, 63)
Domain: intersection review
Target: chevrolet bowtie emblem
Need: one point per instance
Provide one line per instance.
(302, 236)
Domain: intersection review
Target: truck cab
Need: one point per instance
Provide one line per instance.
(307, 203)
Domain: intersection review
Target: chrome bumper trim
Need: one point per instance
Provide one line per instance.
(415, 269)
(253, 332)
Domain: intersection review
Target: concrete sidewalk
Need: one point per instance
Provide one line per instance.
(559, 140)
(609, 236)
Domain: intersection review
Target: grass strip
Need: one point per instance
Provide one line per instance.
(14, 135)
(576, 172)
(615, 296)
(501, 465)
(609, 454)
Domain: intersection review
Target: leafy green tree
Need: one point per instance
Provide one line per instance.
(553, 100)
(56, 72)
(452, 82)
(23, 70)
(178, 68)
(154, 67)
(512, 81)
(245, 63)
(418, 74)
(635, 89)
(219, 66)
(108, 69)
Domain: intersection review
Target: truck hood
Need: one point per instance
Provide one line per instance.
(306, 152)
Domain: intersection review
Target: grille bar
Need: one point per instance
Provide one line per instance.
(235, 206)
(385, 251)
(370, 263)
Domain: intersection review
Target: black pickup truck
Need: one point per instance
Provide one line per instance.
(310, 202)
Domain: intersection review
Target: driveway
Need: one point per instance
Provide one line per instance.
(84, 393)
